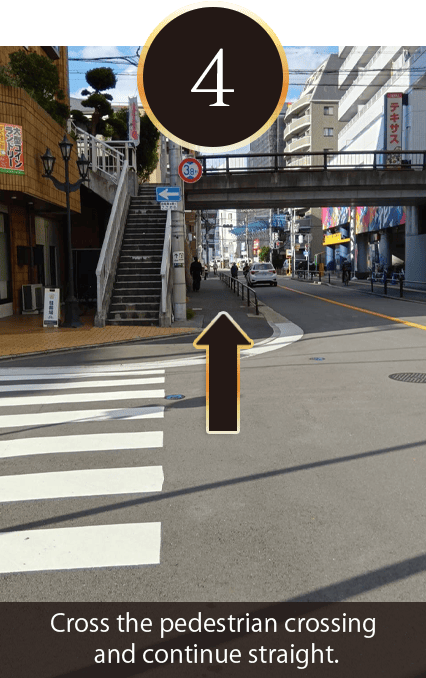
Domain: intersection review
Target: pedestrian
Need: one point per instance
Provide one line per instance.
(196, 271)
(215, 268)
(206, 271)
(234, 270)
(346, 270)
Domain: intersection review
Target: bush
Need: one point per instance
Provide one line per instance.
(39, 77)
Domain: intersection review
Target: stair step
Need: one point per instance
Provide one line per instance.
(136, 294)
(134, 323)
(134, 306)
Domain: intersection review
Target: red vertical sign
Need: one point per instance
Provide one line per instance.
(394, 126)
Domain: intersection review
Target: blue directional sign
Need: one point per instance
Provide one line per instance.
(168, 194)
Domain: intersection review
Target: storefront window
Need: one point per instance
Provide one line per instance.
(5, 269)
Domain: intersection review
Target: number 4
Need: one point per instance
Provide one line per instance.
(219, 80)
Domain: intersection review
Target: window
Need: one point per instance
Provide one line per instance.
(5, 268)
(328, 131)
(328, 110)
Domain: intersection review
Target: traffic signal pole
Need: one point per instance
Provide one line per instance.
(178, 234)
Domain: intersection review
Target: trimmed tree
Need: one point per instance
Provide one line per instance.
(99, 79)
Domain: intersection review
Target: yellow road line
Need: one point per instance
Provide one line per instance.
(356, 308)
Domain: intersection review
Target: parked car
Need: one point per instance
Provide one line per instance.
(262, 274)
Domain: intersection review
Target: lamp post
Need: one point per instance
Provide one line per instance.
(72, 315)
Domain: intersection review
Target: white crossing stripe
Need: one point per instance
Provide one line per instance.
(90, 546)
(81, 443)
(80, 384)
(49, 418)
(89, 482)
(67, 548)
(123, 368)
(79, 398)
(11, 376)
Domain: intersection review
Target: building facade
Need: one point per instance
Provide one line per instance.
(374, 81)
(312, 126)
(32, 210)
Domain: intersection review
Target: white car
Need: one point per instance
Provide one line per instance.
(262, 274)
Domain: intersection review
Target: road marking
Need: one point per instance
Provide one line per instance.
(88, 546)
(124, 368)
(356, 308)
(17, 401)
(85, 443)
(67, 548)
(82, 483)
(80, 384)
(48, 418)
(11, 376)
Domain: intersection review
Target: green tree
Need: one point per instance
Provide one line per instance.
(264, 254)
(147, 151)
(39, 77)
(100, 79)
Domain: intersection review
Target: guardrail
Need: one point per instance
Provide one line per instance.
(399, 282)
(105, 157)
(166, 276)
(105, 270)
(319, 160)
(237, 286)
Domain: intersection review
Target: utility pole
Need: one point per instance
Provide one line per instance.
(178, 234)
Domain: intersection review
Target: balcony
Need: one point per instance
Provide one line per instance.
(299, 145)
(357, 58)
(297, 125)
(377, 72)
(298, 106)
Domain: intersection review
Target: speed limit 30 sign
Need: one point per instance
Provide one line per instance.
(190, 170)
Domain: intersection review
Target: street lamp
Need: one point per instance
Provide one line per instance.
(72, 315)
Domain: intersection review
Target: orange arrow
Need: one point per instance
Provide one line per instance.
(223, 339)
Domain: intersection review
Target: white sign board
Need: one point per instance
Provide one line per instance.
(51, 307)
(178, 259)
(168, 205)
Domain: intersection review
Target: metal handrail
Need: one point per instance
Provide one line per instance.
(166, 269)
(105, 270)
(236, 286)
(321, 160)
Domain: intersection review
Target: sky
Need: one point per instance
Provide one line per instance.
(298, 58)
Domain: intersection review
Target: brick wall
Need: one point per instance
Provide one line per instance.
(61, 63)
(39, 131)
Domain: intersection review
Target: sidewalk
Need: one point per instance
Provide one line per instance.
(215, 296)
(25, 335)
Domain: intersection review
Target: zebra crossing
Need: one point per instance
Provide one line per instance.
(46, 399)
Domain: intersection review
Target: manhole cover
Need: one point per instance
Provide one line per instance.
(411, 377)
(176, 396)
(316, 358)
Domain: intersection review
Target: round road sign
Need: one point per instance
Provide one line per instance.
(190, 170)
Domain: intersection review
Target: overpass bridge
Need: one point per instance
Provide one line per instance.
(349, 178)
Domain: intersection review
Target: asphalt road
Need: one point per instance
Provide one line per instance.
(319, 498)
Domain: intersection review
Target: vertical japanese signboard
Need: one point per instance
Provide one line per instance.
(51, 307)
(134, 121)
(394, 127)
(11, 149)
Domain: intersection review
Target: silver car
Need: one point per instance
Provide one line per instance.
(262, 274)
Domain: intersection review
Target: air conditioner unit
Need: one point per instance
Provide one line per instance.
(32, 298)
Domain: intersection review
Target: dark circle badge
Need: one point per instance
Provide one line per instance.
(213, 78)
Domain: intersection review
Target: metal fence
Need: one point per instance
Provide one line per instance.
(239, 287)
(321, 160)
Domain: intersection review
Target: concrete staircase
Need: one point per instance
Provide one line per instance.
(136, 293)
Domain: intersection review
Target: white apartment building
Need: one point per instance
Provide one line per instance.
(312, 126)
(381, 236)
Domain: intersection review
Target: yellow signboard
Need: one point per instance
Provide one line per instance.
(334, 239)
